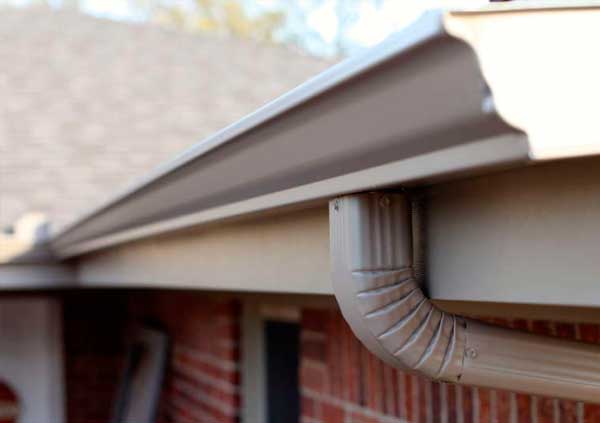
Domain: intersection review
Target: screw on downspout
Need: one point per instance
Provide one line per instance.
(471, 353)
(384, 201)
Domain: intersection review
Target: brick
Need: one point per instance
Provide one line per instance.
(436, 405)
(226, 353)
(542, 327)
(467, 394)
(334, 354)
(307, 406)
(374, 383)
(568, 411)
(523, 408)
(212, 369)
(503, 406)
(346, 361)
(204, 358)
(520, 324)
(195, 406)
(545, 412)
(379, 385)
(363, 357)
(505, 323)
(424, 399)
(400, 394)
(484, 406)
(313, 378)
(565, 330)
(451, 401)
(312, 319)
(226, 309)
(390, 391)
(313, 350)
(357, 417)
(354, 371)
(591, 413)
(590, 333)
(332, 413)
(411, 390)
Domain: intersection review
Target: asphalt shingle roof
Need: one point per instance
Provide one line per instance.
(89, 105)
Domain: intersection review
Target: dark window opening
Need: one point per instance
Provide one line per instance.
(282, 355)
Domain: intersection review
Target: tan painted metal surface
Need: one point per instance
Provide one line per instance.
(274, 254)
(541, 64)
(526, 236)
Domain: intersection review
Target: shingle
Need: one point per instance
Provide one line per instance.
(89, 105)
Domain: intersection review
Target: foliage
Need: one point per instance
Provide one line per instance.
(321, 27)
(225, 17)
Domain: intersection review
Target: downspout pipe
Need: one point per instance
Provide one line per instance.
(375, 285)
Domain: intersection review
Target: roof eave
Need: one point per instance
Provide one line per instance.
(430, 103)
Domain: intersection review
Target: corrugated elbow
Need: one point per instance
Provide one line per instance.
(374, 283)
(400, 317)
(378, 293)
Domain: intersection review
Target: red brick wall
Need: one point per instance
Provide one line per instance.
(202, 378)
(341, 382)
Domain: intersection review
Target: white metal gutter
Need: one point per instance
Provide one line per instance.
(419, 93)
(437, 100)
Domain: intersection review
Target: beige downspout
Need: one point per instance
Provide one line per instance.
(374, 283)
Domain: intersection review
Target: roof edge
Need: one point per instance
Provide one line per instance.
(375, 135)
(428, 26)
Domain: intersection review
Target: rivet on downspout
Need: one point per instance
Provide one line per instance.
(471, 353)
(375, 286)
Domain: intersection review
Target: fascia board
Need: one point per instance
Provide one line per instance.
(36, 276)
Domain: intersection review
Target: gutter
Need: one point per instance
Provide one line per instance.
(375, 282)
(414, 109)
(457, 93)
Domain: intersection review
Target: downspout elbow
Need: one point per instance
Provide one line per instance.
(399, 317)
(379, 296)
